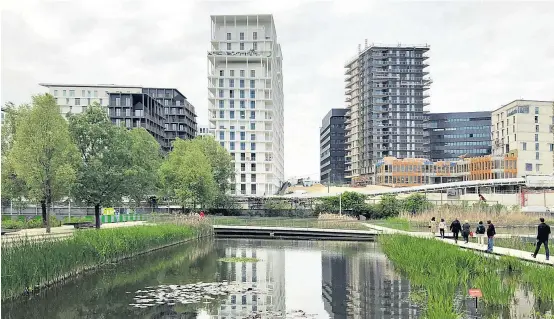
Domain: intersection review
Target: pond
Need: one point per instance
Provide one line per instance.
(291, 279)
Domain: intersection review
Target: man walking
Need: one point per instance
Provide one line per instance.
(543, 232)
(490, 235)
(455, 227)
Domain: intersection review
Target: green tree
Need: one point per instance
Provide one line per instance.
(416, 202)
(103, 176)
(146, 159)
(389, 206)
(187, 176)
(43, 154)
(220, 161)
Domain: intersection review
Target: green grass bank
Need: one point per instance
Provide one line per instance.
(30, 265)
(439, 272)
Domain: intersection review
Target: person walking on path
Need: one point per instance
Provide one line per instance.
(466, 229)
(442, 226)
(491, 231)
(543, 232)
(480, 233)
(455, 227)
(433, 226)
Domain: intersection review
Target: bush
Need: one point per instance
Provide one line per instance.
(35, 222)
(13, 224)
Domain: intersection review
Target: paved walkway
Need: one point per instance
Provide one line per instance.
(501, 251)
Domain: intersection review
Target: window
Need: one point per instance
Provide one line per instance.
(77, 101)
(242, 136)
(231, 93)
(232, 104)
(88, 93)
(55, 92)
(228, 46)
(232, 114)
(536, 110)
(536, 137)
(253, 146)
(253, 157)
(241, 83)
(221, 72)
(228, 36)
(252, 104)
(220, 83)
(254, 46)
(166, 103)
(117, 101)
(220, 93)
(221, 135)
(252, 137)
(242, 146)
(128, 101)
(253, 192)
(537, 156)
(71, 92)
(117, 112)
(231, 73)
(221, 114)
(178, 103)
(254, 35)
(253, 167)
(551, 146)
(252, 94)
(83, 93)
(222, 144)
(536, 146)
(100, 102)
(252, 73)
(241, 94)
(536, 128)
(252, 83)
(241, 73)
(231, 83)
(253, 126)
(128, 122)
(252, 114)
(536, 119)
(232, 136)
(242, 104)
(241, 36)
(221, 104)
(242, 168)
(63, 92)
(242, 46)
(127, 112)
(524, 146)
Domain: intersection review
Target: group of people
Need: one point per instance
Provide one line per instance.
(543, 232)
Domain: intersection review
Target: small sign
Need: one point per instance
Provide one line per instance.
(475, 293)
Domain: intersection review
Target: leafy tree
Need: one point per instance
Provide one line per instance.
(389, 206)
(43, 154)
(187, 176)
(103, 176)
(146, 159)
(220, 161)
(417, 202)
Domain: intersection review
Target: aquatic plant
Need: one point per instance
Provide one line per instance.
(29, 264)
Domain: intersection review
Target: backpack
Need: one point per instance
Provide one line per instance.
(480, 229)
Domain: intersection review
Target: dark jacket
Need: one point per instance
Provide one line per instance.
(455, 227)
(491, 231)
(480, 229)
(466, 228)
(543, 232)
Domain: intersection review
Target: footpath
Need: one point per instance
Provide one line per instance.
(500, 251)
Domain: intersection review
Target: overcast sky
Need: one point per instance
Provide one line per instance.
(482, 55)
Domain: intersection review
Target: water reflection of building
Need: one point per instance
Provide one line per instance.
(267, 275)
(364, 285)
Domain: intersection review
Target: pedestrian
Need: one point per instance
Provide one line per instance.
(442, 226)
(455, 227)
(466, 229)
(543, 232)
(490, 236)
(433, 226)
(413, 212)
(202, 215)
(480, 233)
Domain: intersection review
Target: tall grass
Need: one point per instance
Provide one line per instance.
(30, 264)
(441, 270)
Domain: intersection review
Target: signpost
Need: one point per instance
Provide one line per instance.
(476, 293)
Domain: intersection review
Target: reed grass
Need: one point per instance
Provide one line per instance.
(30, 265)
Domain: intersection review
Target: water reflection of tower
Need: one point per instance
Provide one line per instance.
(264, 275)
(364, 285)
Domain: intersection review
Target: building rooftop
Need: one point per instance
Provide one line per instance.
(425, 47)
(91, 85)
(522, 100)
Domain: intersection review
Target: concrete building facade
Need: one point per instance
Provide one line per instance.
(203, 130)
(524, 128)
(245, 99)
(332, 141)
(451, 135)
(385, 96)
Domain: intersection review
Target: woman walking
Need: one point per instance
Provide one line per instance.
(466, 229)
(433, 226)
(480, 233)
(442, 226)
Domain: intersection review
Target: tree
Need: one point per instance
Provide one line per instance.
(187, 176)
(102, 177)
(389, 206)
(43, 154)
(145, 163)
(220, 161)
(416, 202)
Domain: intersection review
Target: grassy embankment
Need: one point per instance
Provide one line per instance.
(439, 271)
(33, 264)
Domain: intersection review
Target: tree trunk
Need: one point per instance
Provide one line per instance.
(48, 206)
(97, 215)
(183, 209)
(43, 208)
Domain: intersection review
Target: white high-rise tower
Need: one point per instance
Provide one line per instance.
(245, 85)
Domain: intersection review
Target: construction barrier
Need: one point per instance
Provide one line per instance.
(121, 218)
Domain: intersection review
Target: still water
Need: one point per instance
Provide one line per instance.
(296, 279)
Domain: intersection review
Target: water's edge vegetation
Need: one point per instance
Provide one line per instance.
(30, 265)
(439, 272)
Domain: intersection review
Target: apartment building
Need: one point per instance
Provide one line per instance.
(203, 130)
(458, 134)
(179, 115)
(524, 128)
(385, 97)
(332, 147)
(245, 94)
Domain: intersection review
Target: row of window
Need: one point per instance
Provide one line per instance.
(470, 135)
(232, 136)
(241, 94)
(241, 83)
(241, 36)
(242, 115)
(242, 46)
(469, 151)
(77, 101)
(242, 104)
(467, 143)
(174, 127)
(482, 127)
(84, 93)
(241, 72)
(537, 146)
(242, 146)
